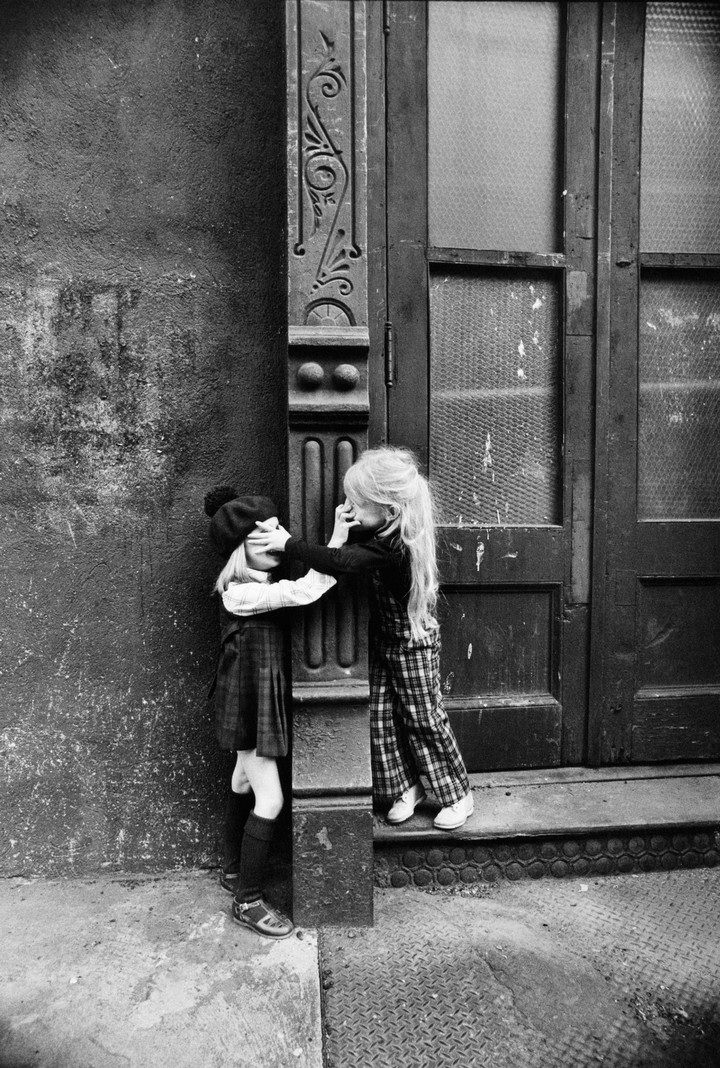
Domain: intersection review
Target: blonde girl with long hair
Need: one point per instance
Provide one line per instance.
(387, 530)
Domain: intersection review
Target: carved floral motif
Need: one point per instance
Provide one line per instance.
(327, 178)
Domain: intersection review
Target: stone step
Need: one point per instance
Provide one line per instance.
(559, 822)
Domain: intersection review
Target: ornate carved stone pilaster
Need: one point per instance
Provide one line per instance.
(328, 405)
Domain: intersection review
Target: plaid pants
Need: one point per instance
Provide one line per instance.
(409, 730)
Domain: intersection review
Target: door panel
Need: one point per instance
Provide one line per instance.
(496, 395)
(495, 78)
(679, 402)
(491, 313)
(656, 685)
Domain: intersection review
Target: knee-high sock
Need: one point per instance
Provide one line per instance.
(237, 810)
(253, 859)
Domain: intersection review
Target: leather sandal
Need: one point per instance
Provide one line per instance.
(261, 917)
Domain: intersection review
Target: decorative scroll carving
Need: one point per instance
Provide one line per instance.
(327, 185)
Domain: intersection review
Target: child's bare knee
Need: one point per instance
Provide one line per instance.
(239, 782)
(269, 803)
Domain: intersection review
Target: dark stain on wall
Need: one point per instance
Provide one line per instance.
(142, 325)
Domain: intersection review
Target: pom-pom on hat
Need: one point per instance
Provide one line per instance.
(233, 517)
(217, 497)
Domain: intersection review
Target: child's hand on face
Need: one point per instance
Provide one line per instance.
(268, 524)
(269, 536)
(344, 522)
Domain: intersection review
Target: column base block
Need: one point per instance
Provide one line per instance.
(333, 861)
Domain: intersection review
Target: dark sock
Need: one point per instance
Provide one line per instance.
(253, 859)
(237, 810)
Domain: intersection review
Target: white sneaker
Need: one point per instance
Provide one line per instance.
(453, 816)
(404, 807)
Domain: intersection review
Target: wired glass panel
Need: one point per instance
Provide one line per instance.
(680, 175)
(495, 125)
(679, 416)
(496, 388)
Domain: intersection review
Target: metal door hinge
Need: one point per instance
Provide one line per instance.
(389, 356)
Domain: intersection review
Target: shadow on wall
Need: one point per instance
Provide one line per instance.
(142, 325)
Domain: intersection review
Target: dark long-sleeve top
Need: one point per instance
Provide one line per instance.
(383, 557)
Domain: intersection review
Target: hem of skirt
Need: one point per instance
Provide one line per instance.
(272, 753)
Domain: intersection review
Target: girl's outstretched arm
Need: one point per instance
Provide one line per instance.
(253, 598)
(337, 557)
(274, 538)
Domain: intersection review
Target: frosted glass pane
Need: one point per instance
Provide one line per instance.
(494, 125)
(680, 175)
(679, 417)
(495, 387)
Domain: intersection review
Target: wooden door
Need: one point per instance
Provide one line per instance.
(656, 597)
(491, 251)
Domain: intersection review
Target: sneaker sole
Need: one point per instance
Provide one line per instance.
(403, 819)
(450, 826)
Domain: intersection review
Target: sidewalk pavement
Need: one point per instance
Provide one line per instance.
(149, 972)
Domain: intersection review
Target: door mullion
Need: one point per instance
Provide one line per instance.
(581, 110)
(407, 155)
(613, 637)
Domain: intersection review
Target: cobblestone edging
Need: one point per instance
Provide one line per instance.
(427, 864)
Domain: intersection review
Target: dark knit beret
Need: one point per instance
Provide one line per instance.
(233, 517)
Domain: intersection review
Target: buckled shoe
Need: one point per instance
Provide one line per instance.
(262, 918)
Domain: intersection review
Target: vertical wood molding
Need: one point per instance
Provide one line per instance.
(328, 334)
(327, 298)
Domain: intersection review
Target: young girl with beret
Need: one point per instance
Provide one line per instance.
(250, 691)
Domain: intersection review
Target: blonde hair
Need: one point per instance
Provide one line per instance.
(390, 478)
(235, 570)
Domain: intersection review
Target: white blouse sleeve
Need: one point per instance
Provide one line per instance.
(252, 598)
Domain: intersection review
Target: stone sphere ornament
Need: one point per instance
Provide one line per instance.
(310, 376)
(346, 376)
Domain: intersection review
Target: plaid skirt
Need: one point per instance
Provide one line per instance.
(251, 688)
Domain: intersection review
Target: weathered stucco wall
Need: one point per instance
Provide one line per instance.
(141, 360)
